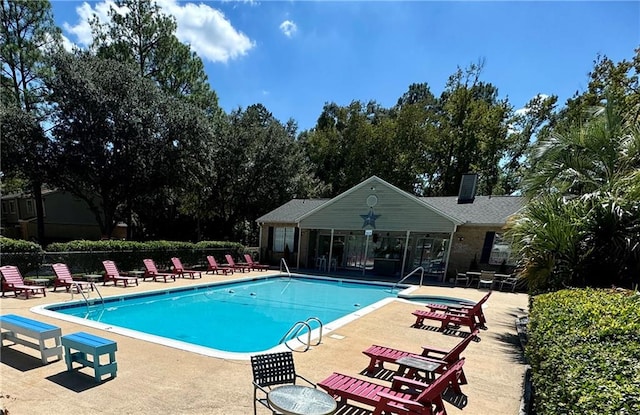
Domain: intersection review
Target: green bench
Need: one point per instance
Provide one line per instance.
(86, 345)
(19, 328)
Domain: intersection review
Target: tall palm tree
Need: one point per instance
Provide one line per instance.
(582, 223)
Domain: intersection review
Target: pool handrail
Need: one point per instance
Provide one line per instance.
(299, 325)
(283, 262)
(421, 269)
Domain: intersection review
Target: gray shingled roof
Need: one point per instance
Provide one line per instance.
(291, 211)
(485, 210)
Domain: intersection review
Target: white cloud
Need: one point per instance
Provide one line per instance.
(289, 28)
(209, 33)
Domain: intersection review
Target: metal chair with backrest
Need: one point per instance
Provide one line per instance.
(272, 369)
(461, 277)
(487, 278)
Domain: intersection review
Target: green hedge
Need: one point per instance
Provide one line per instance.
(86, 256)
(23, 254)
(584, 350)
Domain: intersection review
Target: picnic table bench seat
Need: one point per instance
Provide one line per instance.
(90, 345)
(19, 328)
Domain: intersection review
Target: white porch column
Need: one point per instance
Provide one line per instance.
(446, 264)
(404, 254)
(330, 251)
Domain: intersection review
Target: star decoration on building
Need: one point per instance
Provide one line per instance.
(370, 219)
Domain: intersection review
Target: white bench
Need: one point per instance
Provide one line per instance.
(18, 327)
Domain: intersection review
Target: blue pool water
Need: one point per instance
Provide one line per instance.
(242, 317)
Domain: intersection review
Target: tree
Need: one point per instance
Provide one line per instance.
(118, 137)
(141, 34)
(582, 224)
(27, 33)
(259, 166)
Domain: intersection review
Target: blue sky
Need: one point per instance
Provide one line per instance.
(295, 56)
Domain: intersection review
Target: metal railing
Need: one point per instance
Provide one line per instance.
(283, 262)
(421, 269)
(294, 333)
(93, 286)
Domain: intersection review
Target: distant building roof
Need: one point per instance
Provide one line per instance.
(485, 210)
(291, 211)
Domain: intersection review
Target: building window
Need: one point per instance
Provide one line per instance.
(12, 206)
(283, 237)
(500, 251)
(29, 204)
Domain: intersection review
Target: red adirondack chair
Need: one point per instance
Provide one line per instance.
(12, 281)
(255, 265)
(64, 279)
(151, 271)
(215, 268)
(475, 309)
(461, 316)
(112, 274)
(179, 270)
(381, 354)
(239, 267)
(395, 399)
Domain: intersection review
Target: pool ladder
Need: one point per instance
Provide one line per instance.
(295, 330)
(94, 287)
(421, 269)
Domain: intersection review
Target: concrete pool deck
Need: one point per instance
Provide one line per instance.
(153, 378)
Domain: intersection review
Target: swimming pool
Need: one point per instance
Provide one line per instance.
(233, 319)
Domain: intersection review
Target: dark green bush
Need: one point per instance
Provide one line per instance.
(86, 256)
(584, 350)
(26, 255)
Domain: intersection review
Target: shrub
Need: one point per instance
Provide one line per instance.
(87, 256)
(584, 350)
(26, 255)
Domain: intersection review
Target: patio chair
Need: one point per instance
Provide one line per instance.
(510, 282)
(12, 281)
(461, 277)
(151, 271)
(113, 275)
(255, 265)
(419, 399)
(180, 271)
(212, 265)
(272, 369)
(380, 354)
(240, 266)
(65, 279)
(487, 278)
(475, 309)
(472, 317)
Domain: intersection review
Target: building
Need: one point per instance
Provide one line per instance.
(66, 217)
(377, 227)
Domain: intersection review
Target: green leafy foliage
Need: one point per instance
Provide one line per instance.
(26, 255)
(86, 256)
(584, 349)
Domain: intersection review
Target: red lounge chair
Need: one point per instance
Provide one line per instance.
(64, 279)
(255, 265)
(112, 274)
(445, 318)
(12, 281)
(151, 271)
(240, 267)
(380, 354)
(394, 399)
(464, 309)
(215, 268)
(179, 270)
